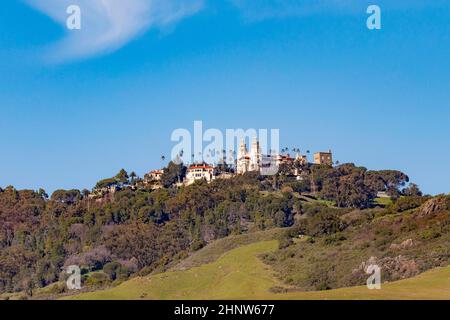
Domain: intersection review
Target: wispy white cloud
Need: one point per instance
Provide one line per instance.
(107, 25)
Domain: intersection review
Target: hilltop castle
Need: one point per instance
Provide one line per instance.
(254, 160)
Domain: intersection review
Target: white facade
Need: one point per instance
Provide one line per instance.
(199, 172)
(248, 161)
(254, 160)
(155, 175)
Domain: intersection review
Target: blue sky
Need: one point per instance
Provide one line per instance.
(75, 108)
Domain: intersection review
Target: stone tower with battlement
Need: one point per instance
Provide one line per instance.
(255, 156)
(248, 161)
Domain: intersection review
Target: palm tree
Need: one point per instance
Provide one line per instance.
(133, 176)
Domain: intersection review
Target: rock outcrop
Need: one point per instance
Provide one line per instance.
(404, 245)
(392, 268)
(435, 205)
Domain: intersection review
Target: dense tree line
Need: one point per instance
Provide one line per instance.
(143, 230)
(350, 186)
(124, 233)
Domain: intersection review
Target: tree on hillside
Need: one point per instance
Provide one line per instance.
(122, 176)
(344, 185)
(386, 180)
(106, 183)
(66, 196)
(133, 177)
(42, 193)
(172, 174)
(412, 190)
(281, 219)
(318, 175)
(85, 193)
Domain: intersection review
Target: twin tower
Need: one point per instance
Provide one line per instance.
(249, 161)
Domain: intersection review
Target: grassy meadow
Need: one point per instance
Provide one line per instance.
(240, 274)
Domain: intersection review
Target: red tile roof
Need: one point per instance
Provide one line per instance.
(206, 167)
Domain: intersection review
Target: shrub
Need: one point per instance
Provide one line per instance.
(334, 239)
(278, 290)
(197, 245)
(311, 240)
(57, 288)
(381, 242)
(384, 231)
(301, 186)
(325, 224)
(97, 257)
(280, 219)
(407, 203)
(430, 234)
(97, 279)
(285, 241)
(112, 269)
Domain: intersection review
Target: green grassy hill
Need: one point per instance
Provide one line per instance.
(240, 274)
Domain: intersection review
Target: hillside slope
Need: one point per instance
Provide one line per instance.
(240, 274)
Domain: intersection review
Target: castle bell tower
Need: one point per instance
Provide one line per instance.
(255, 155)
(242, 158)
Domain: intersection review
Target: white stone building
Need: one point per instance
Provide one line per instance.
(255, 161)
(153, 179)
(154, 175)
(248, 161)
(199, 172)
